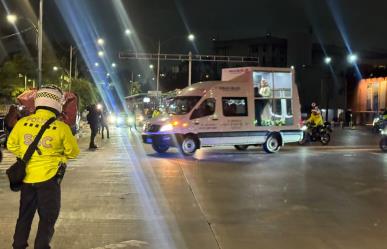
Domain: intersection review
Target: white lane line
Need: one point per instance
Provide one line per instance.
(124, 244)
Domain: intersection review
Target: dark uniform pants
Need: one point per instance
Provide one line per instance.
(44, 197)
(94, 131)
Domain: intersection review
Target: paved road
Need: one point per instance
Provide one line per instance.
(125, 196)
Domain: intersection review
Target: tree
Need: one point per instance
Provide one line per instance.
(87, 93)
(134, 88)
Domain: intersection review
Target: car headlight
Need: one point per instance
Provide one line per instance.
(167, 127)
(112, 119)
(304, 128)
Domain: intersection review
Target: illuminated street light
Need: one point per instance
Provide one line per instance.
(139, 75)
(11, 18)
(114, 64)
(128, 32)
(328, 60)
(352, 58)
(101, 41)
(191, 37)
(55, 68)
(96, 64)
(151, 66)
(101, 53)
(107, 74)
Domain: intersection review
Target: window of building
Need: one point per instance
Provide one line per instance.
(234, 106)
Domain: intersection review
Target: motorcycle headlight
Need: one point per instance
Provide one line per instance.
(167, 127)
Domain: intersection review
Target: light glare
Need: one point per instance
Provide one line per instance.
(11, 18)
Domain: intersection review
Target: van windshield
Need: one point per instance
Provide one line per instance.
(182, 105)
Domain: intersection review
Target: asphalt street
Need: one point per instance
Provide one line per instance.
(123, 195)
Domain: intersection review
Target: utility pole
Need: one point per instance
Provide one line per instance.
(71, 65)
(40, 43)
(189, 68)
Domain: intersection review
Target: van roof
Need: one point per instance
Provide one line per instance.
(200, 88)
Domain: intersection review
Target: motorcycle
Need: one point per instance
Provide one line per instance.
(383, 140)
(378, 124)
(315, 134)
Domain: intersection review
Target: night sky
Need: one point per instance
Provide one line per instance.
(361, 22)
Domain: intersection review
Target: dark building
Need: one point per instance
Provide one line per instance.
(271, 51)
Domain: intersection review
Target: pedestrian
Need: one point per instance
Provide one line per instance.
(104, 123)
(93, 120)
(40, 190)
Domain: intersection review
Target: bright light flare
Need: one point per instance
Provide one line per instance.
(128, 32)
(191, 37)
(101, 53)
(11, 18)
(151, 66)
(352, 58)
(96, 64)
(114, 64)
(101, 41)
(55, 68)
(328, 60)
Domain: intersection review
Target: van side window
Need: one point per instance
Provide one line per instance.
(234, 106)
(206, 108)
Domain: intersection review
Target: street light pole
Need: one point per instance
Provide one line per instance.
(158, 71)
(40, 43)
(189, 68)
(71, 66)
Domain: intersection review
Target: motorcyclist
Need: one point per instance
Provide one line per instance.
(315, 120)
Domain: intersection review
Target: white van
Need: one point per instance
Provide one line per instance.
(250, 106)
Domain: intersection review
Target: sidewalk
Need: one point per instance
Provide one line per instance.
(117, 197)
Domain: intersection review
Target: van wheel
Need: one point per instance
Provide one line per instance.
(189, 145)
(160, 147)
(272, 144)
(241, 147)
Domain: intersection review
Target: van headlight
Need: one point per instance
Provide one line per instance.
(167, 127)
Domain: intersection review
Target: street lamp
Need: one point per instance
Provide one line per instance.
(11, 18)
(128, 32)
(352, 58)
(100, 41)
(96, 64)
(101, 53)
(151, 66)
(328, 60)
(55, 68)
(114, 65)
(191, 37)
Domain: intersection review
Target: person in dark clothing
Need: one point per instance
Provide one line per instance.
(104, 123)
(93, 120)
(11, 118)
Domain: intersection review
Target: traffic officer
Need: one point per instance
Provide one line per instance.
(41, 188)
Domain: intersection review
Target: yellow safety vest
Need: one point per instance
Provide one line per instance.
(56, 145)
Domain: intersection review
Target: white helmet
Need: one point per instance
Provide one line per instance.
(50, 96)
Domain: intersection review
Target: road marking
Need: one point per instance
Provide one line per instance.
(125, 244)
